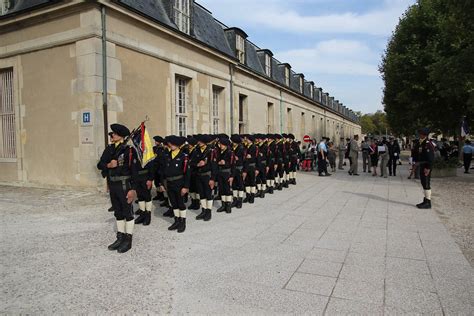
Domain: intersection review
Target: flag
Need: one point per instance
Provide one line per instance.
(464, 128)
(143, 146)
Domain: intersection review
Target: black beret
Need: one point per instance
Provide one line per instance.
(222, 136)
(120, 130)
(224, 141)
(278, 136)
(158, 139)
(236, 139)
(191, 141)
(284, 135)
(175, 140)
(291, 136)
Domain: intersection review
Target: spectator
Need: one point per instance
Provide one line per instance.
(374, 157)
(342, 149)
(332, 156)
(322, 156)
(365, 154)
(383, 154)
(467, 151)
(354, 154)
(394, 152)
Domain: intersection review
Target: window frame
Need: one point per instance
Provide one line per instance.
(8, 117)
(181, 102)
(215, 114)
(287, 76)
(182, 15)
(268, 65)
(240, 48)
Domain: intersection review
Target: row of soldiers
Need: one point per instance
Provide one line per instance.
(237, 169)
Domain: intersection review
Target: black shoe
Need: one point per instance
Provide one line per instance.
(111, 209)
(222, 208)
(175, 224)
(285, 184)
(247, 198)
(207, 215)
(140, 219)
(126, 244)
(147, 220)
(356, 174)
(425, 205)
(169, 213)
(116, 243)
(239, 203)
(270, 190)
(201, 215)
(420, 204)
(182, 225)
(252, 198)
(262, 194)
(228, 207)
(234, 202)
(139, 212)
(350, 173)
(196, 206)
(294, 181)
(279, 187)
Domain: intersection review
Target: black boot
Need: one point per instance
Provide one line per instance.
(222, 208)
(239, 203)
(247, 198)
(169, 213)
(279, 187)
(270, 190)
(111, 209)
(139, 212)
(207, 215)
(228, 207)
(117, 242)
(147, 220)
(234, 202)
(126, 244)
(285, 184)
(294, 181)
(425, 205)
(252, 198)
(262, 194)
(195, 204)
(422, 203)
(202, 214)
(140, 219)
(182, 225)
(175, 224)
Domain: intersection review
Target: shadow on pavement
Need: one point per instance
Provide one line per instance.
(378, 198)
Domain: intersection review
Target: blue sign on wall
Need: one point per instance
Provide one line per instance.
(86, 117)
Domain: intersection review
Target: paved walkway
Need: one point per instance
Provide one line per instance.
(336, 245)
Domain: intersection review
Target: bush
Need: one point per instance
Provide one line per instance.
(441, 163)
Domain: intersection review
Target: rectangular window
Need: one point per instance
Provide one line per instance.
(7, 116)
(287, 76)
(268, 65)
(242, 113)
(301, 84)
(215, 110)
(270, 117)
(311, 92)
(181, 106)
(182, 15)
(240, 46)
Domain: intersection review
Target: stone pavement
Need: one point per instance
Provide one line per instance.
(336, 245)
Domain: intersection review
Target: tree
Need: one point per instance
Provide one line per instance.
(374, 123)
(428, 69)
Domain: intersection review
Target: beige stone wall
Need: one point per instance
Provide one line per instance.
(58, 74)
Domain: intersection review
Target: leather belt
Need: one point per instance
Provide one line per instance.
(174, 178)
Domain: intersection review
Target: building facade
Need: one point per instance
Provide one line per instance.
(68, 69)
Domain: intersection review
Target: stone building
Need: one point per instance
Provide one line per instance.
(70, 68)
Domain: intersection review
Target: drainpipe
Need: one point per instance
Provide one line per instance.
(281, 111)
(231, 72)
(104, 78)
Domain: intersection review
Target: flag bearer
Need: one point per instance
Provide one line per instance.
(238, 182)
(224, 160)
(122, 171)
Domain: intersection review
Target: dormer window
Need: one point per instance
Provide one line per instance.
(287, 76)
(182, 15)
(268, 65)
(301, 84)
(311, 92)
(240, 47)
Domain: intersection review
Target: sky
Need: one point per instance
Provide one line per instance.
(338, 44)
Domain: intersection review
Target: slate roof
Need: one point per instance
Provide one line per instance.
(208, 31)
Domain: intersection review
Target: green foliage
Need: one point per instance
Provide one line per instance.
(428, 67)
(441, 163)
(374, 123)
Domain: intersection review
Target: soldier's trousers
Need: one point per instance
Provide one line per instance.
(238, 183)
(173, 188)
(118, 197)
(262, 175)
(203, 188)
(224, 185)
(143, 194)
(425, 180)
(250, 180)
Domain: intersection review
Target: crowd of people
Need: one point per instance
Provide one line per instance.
(201, 168)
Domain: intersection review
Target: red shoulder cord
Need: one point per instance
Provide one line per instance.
(130, 158)
(185, 164)
(256, 151)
